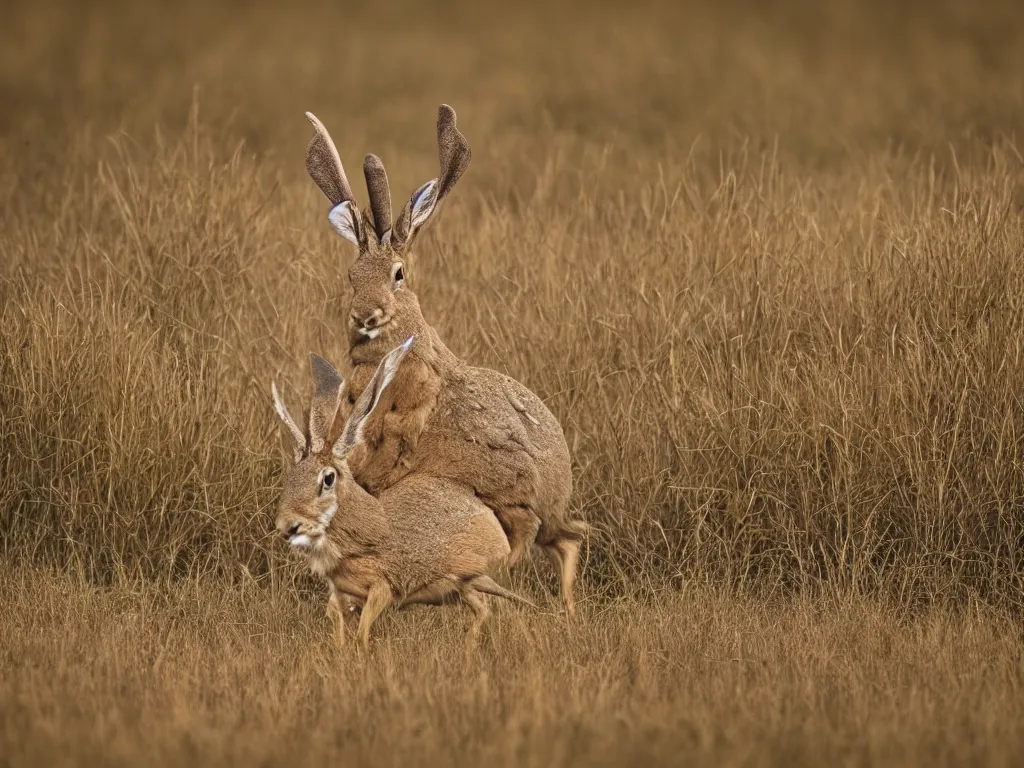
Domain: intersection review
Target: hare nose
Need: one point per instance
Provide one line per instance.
(371, 321)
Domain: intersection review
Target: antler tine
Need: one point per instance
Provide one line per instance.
(324, 165)
(380, 194)
(452, 148)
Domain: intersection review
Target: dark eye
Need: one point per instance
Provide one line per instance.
(398, 275)
(329, 479)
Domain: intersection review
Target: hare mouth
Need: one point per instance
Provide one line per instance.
(373, 333)
(304, 541)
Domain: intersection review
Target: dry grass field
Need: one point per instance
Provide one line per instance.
(764, 261)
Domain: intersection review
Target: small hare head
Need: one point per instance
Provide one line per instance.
(318, 482)
(382, 307)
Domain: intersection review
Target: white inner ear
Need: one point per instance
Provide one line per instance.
(344, 222)
(424, 200)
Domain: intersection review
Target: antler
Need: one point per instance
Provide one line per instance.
(380, 194)
(324, 165)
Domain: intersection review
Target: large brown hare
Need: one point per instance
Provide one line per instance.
(423, 540)
(442, 417)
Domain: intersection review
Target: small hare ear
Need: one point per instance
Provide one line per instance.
(380, 196)
(289, 422)
(344, 219)
(386, 370)
(326, 399)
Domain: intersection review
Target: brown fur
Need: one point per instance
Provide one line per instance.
(472, 426)
(424, 540)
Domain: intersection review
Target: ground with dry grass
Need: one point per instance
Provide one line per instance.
(246, 676)
(765, 265)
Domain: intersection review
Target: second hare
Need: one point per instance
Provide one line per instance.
(422, 541)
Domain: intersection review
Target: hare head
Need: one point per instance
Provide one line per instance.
(320, 482)
(383, 307)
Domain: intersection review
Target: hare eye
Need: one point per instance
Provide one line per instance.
(328, 480)
(397, 276)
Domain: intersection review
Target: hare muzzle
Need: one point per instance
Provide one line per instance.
(298, 535)
(370, 325)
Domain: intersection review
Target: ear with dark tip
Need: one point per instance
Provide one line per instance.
(452, 148)
(380, 194)
(454, 156)
(324, 165)
(386, 370)
(289, 422)
(326, 399)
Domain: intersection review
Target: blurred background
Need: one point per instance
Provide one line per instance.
(823, 79)
(761, 259)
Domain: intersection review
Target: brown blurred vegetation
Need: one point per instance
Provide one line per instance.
(764, 262)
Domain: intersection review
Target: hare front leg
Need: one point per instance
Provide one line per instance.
(337, 617)
(378, 598)
(349, 610)
(342, 609)
(565, 553)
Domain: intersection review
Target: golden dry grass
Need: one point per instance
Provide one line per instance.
(764, 263)
(194, 674)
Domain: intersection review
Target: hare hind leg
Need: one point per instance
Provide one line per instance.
(520, 525)
(477, 603)
(565, 552)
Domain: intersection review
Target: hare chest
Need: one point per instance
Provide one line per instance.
(354, 576)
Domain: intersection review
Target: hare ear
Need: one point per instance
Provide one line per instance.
(326, 399)
(324, 164)
(454, 156)
(345, 220)
(380, 195)
(422, 204)
(416, 212)
(386, 370)
(289, 422)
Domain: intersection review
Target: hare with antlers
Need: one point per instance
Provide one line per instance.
(423, 540)
(442, 417)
